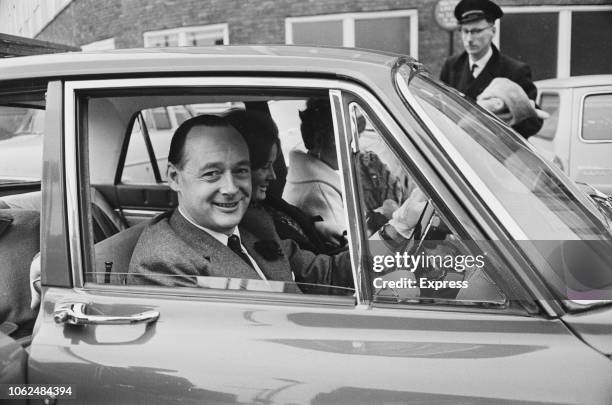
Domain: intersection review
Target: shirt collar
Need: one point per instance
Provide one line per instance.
(221, 237)
(482, 62)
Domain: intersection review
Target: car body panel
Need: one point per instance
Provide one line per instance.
(277, 59)
(594, 327)
(244, 352)
(13, 361)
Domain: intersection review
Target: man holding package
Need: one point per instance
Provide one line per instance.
(497, 82)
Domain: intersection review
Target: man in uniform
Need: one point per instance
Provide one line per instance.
(472, 71)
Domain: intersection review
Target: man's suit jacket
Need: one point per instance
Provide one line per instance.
(172, 252)
(456, 73)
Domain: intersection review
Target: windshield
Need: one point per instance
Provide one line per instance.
(539, 208)
(21, 135)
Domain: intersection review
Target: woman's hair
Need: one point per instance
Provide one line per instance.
(259, 132)
(317, 126)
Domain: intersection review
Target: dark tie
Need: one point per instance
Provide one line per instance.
(233, 242)
(474, 66)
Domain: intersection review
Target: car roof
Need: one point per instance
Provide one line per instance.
(576, 81)
(352, 62)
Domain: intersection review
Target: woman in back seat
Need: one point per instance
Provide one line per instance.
(261, 135)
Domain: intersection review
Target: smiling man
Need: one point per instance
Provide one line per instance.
(473, 70)
(214, 232)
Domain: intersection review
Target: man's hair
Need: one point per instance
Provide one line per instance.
(177, 145)
(258, 130)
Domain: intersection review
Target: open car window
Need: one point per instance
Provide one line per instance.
(128, 139)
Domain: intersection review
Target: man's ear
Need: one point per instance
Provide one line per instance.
(172, 175)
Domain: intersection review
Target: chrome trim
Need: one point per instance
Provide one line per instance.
(71, 175)
(489, 198)
(581, 117)
(141, 213)
(355, 252)
(550, 311)
(216, 81)
(74, 314)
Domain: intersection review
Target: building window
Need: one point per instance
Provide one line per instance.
(392, 31)
(101, 45)
(217, 34)
(576, 39)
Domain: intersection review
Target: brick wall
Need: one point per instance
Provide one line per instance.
(250, 21)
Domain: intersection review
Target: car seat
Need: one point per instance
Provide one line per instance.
(113, 255)
(19, 243)
(106, 222)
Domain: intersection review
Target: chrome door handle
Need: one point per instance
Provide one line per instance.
(74, 314)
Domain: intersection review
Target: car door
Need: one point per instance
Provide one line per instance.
(591, 142)
(119, 343)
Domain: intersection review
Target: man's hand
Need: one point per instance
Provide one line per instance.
(35, 282)
(509, 102)
(388, 208)
(406, 217)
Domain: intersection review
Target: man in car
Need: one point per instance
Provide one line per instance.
(473, 71)
(214, 232)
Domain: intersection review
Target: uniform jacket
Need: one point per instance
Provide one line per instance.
(315, 188)
(456, 73)
(172, 252)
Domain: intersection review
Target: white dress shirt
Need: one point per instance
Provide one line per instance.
(481, 63)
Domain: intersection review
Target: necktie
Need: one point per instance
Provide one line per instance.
(474, 66)
(233, 242)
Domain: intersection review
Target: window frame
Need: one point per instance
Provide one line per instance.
(387, 130)
(348, 25)
(182, 32)
(80, 252)
(583, 98)
(79, 235)
(564, 34)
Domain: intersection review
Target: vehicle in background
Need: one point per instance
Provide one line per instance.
(578, 135)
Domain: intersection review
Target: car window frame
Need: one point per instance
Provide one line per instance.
(79, 233)
(139, 120)
(402, 144)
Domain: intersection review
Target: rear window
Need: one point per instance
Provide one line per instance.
(549, 102)
(21, 138)
(597, 118)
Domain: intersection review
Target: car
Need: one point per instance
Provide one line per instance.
(578, 135)
(500, 295)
